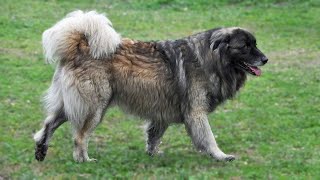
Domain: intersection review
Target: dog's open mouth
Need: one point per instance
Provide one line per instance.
(254, 70)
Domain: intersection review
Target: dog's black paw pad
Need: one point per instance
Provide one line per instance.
(40, 152)
(230, 158)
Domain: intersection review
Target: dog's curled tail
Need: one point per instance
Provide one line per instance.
(80, 33)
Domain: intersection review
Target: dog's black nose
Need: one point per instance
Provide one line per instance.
(264, 59)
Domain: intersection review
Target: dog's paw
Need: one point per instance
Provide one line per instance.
(83, 159)
(151, 153)
(40, 151)
(92, 160)
(155, 153)
(80, 158)
(229, 158)
(223, 157)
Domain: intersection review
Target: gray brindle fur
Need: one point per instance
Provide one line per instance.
(164, 82)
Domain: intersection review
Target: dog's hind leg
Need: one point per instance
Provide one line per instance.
(42, 137)
(154, 133)
(85, 103)
(81, 136)
(199, 129)
(55, 117)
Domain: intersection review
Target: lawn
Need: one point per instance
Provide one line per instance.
(272, 126)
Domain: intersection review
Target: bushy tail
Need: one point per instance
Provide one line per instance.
(65, 40)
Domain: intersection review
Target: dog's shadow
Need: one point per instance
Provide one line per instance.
(123, 156)
(135, 160)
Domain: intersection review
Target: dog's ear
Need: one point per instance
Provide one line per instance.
(219, 37)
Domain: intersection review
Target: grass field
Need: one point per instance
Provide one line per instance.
(272, 126)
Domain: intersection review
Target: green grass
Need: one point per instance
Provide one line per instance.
(272, 126)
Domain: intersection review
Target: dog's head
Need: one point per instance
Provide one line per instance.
(237, 48)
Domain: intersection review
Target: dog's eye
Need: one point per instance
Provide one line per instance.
(243, 46)
(246, 46)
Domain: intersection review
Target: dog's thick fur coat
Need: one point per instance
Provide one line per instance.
(165, 82)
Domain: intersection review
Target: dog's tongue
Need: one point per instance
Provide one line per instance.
(255, 70)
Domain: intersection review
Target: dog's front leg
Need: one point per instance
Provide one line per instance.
(199, 129)
(154, 133)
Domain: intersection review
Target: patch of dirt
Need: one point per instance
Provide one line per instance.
(20, 53)
(295, 58)
(235, 178)
(15, 52)
(294, 52)
(7, 170)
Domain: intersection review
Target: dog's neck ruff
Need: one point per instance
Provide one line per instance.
(226, 84)
(192, 55)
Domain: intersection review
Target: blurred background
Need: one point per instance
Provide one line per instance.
(272, 126)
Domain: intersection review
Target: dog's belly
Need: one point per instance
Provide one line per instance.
(152, 112)
(150, 100)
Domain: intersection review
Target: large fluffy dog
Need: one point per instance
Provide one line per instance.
(175, 81)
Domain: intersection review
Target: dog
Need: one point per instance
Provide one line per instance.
(164, 82)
